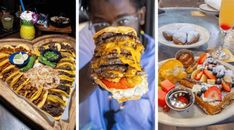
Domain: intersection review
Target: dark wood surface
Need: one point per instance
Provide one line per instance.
(180, 3)
(53, 29)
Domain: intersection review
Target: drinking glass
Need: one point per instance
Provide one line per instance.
(226, 23)
(7, 21)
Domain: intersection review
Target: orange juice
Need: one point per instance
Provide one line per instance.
(226, 15)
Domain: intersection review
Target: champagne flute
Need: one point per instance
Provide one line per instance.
(226, 23)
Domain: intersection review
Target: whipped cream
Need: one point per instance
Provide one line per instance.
(137, 91)
(196, 88)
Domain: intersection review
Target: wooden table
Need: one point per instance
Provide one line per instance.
(180, 3)
(53, 29)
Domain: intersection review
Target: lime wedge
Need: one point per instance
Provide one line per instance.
(25, 56)
(18, 61)
(18, 56)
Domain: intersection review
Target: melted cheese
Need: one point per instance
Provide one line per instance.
(135, 49)
(119, 29)
(133, 81)
(107, 48)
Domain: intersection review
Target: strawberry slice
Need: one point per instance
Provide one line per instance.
(209, 74)
(199, 75)
(213, 93)
(226, 86)
(202, 58)
(183, 99)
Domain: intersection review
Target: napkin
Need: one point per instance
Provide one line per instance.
(214, 3)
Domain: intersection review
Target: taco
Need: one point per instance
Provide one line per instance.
(65, 46)
(4, 66)
(66, 65)
(22, 47)
(24, 83)
(40, 98)
(8, 49)
(58, 92)
(65, 87)
(66, 82)
(55, 109)
(68, 59)
(67, 54)
(15, 79)
(3, 55)
(36, 94)
(68, 73)
(43, 100)
(56, 98)
(64, 77)
(3, 62)
(3, 76)
(7, 69)
(27, 90)
(20, 82)
(10, 75)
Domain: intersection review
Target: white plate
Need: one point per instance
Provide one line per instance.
(204, 35)
(195, 116)
(208, 9)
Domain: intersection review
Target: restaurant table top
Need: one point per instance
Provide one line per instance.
(185, 15)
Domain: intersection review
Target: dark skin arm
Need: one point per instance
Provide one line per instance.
(87, 85)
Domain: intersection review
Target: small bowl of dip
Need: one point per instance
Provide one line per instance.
(180, 99)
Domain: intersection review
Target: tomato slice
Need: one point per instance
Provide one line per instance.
(122, 84)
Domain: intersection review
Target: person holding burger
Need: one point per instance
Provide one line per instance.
(97, 110)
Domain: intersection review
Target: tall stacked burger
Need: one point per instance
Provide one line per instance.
(116, 63)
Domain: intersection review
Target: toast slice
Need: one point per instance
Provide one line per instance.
(214, 109)
(209, 108)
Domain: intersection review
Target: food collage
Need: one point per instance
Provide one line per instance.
(117, 65)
